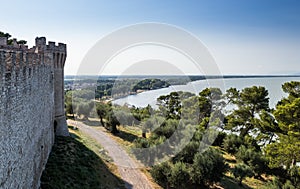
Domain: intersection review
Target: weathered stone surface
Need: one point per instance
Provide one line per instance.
(31, 101)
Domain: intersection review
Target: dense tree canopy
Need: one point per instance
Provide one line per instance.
(150, 84)
(251, 102)
(286, 150)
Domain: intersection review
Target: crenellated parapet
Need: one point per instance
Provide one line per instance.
(41, 53)
(40, 45)
(14, 46)
(20, 64)
(58, 52)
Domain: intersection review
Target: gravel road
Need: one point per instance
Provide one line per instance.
(128, 167)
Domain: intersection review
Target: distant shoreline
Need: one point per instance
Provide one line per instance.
(192, 77)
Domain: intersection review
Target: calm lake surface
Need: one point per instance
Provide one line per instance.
(272, 84)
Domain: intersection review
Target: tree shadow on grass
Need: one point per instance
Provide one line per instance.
(72, 134)
(230, 183)
(92, 123)
(72, 165)
(126, 136)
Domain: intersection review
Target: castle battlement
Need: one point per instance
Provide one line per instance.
(40, 44)
(31, 109)
(15, 56)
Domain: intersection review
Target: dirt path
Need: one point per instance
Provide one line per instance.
(128, 168)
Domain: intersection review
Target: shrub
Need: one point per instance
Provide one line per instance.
(232, 143)
(188, 152)
(288, 185)
(161, 173)
(208, 167)
(254, 159)
(180, 176)
(141, 143)
(240, 171)
(167, 128)
(220, 139)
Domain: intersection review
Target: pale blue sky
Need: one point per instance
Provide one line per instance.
(245, 37)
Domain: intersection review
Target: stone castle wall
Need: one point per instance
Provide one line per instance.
(27, 110)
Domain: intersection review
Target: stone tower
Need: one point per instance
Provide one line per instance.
(57, 55)
(31, 109)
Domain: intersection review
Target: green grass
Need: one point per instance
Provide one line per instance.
(230, 183)
(126, 136)
(76, 162)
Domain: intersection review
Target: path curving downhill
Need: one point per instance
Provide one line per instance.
(127, 167)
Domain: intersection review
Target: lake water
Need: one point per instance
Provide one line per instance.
(273, 85)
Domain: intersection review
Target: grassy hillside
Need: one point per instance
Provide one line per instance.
(76, 162)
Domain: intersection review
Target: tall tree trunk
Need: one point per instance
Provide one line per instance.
(114, 129)
(101, 121)
(241, 182)
(293, 163)
(270, 141)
